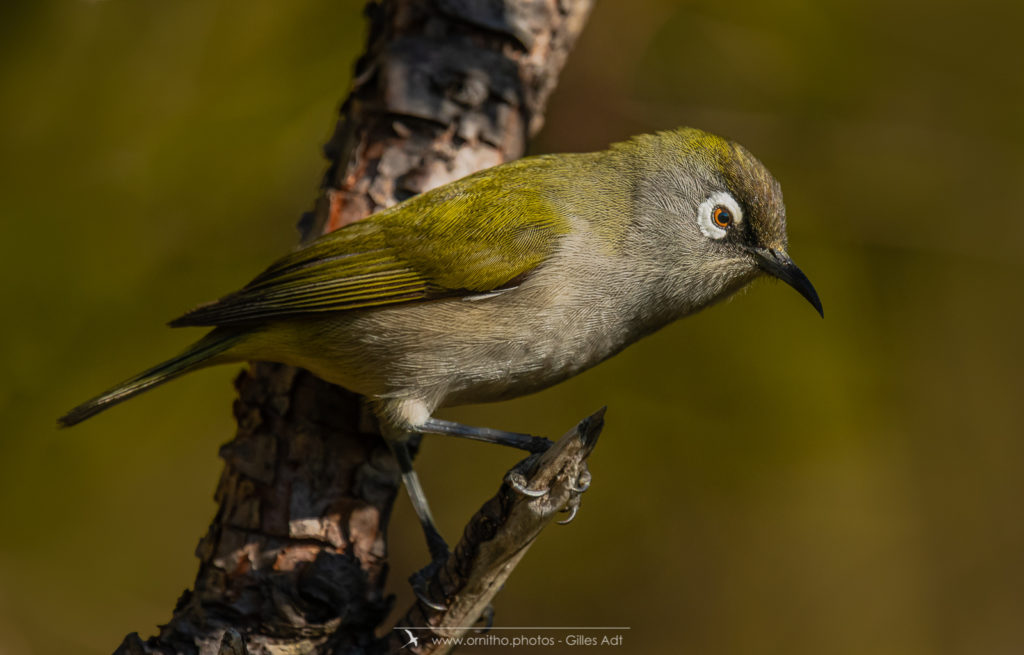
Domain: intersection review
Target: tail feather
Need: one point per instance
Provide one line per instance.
(197, 356)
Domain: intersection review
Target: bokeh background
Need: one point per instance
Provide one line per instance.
(768, 482)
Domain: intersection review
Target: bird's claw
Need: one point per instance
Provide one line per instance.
(573, 508)
(581, 485)
(517, 481)
(420, 581)
(582, 482)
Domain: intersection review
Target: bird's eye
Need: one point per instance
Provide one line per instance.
(721, 216)
(717, 214)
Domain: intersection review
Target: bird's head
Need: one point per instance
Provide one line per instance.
(715, 211)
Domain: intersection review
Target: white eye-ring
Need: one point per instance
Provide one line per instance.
(717, 214)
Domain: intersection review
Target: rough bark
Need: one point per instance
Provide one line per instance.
(296, 557)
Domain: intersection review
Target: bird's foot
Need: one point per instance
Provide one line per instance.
(572, 507)
(582, 481)
(516, 479)
(422, 586)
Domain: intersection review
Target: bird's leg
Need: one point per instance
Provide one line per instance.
(526, 442)
(435, 542)
(398, 440)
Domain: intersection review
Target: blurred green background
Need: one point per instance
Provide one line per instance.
(768, 482)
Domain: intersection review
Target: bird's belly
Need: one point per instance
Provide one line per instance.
(450, 352)
(515, 367)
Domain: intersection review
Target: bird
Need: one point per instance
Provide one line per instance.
(502, 283)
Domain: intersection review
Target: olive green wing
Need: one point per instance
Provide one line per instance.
(474, 235)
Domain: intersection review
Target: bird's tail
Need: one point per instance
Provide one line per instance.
(200, 354)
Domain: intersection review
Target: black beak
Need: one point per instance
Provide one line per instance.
(779, 265)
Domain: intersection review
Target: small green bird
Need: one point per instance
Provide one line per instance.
(502, 283)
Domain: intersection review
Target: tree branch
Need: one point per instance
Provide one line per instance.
(295, 558)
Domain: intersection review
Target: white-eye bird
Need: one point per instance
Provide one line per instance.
(502, 283)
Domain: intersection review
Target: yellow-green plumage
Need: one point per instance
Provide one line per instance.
(473, 235)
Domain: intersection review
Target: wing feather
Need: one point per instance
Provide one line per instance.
(466, 238)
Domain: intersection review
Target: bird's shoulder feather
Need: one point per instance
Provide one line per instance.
(474, 235)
